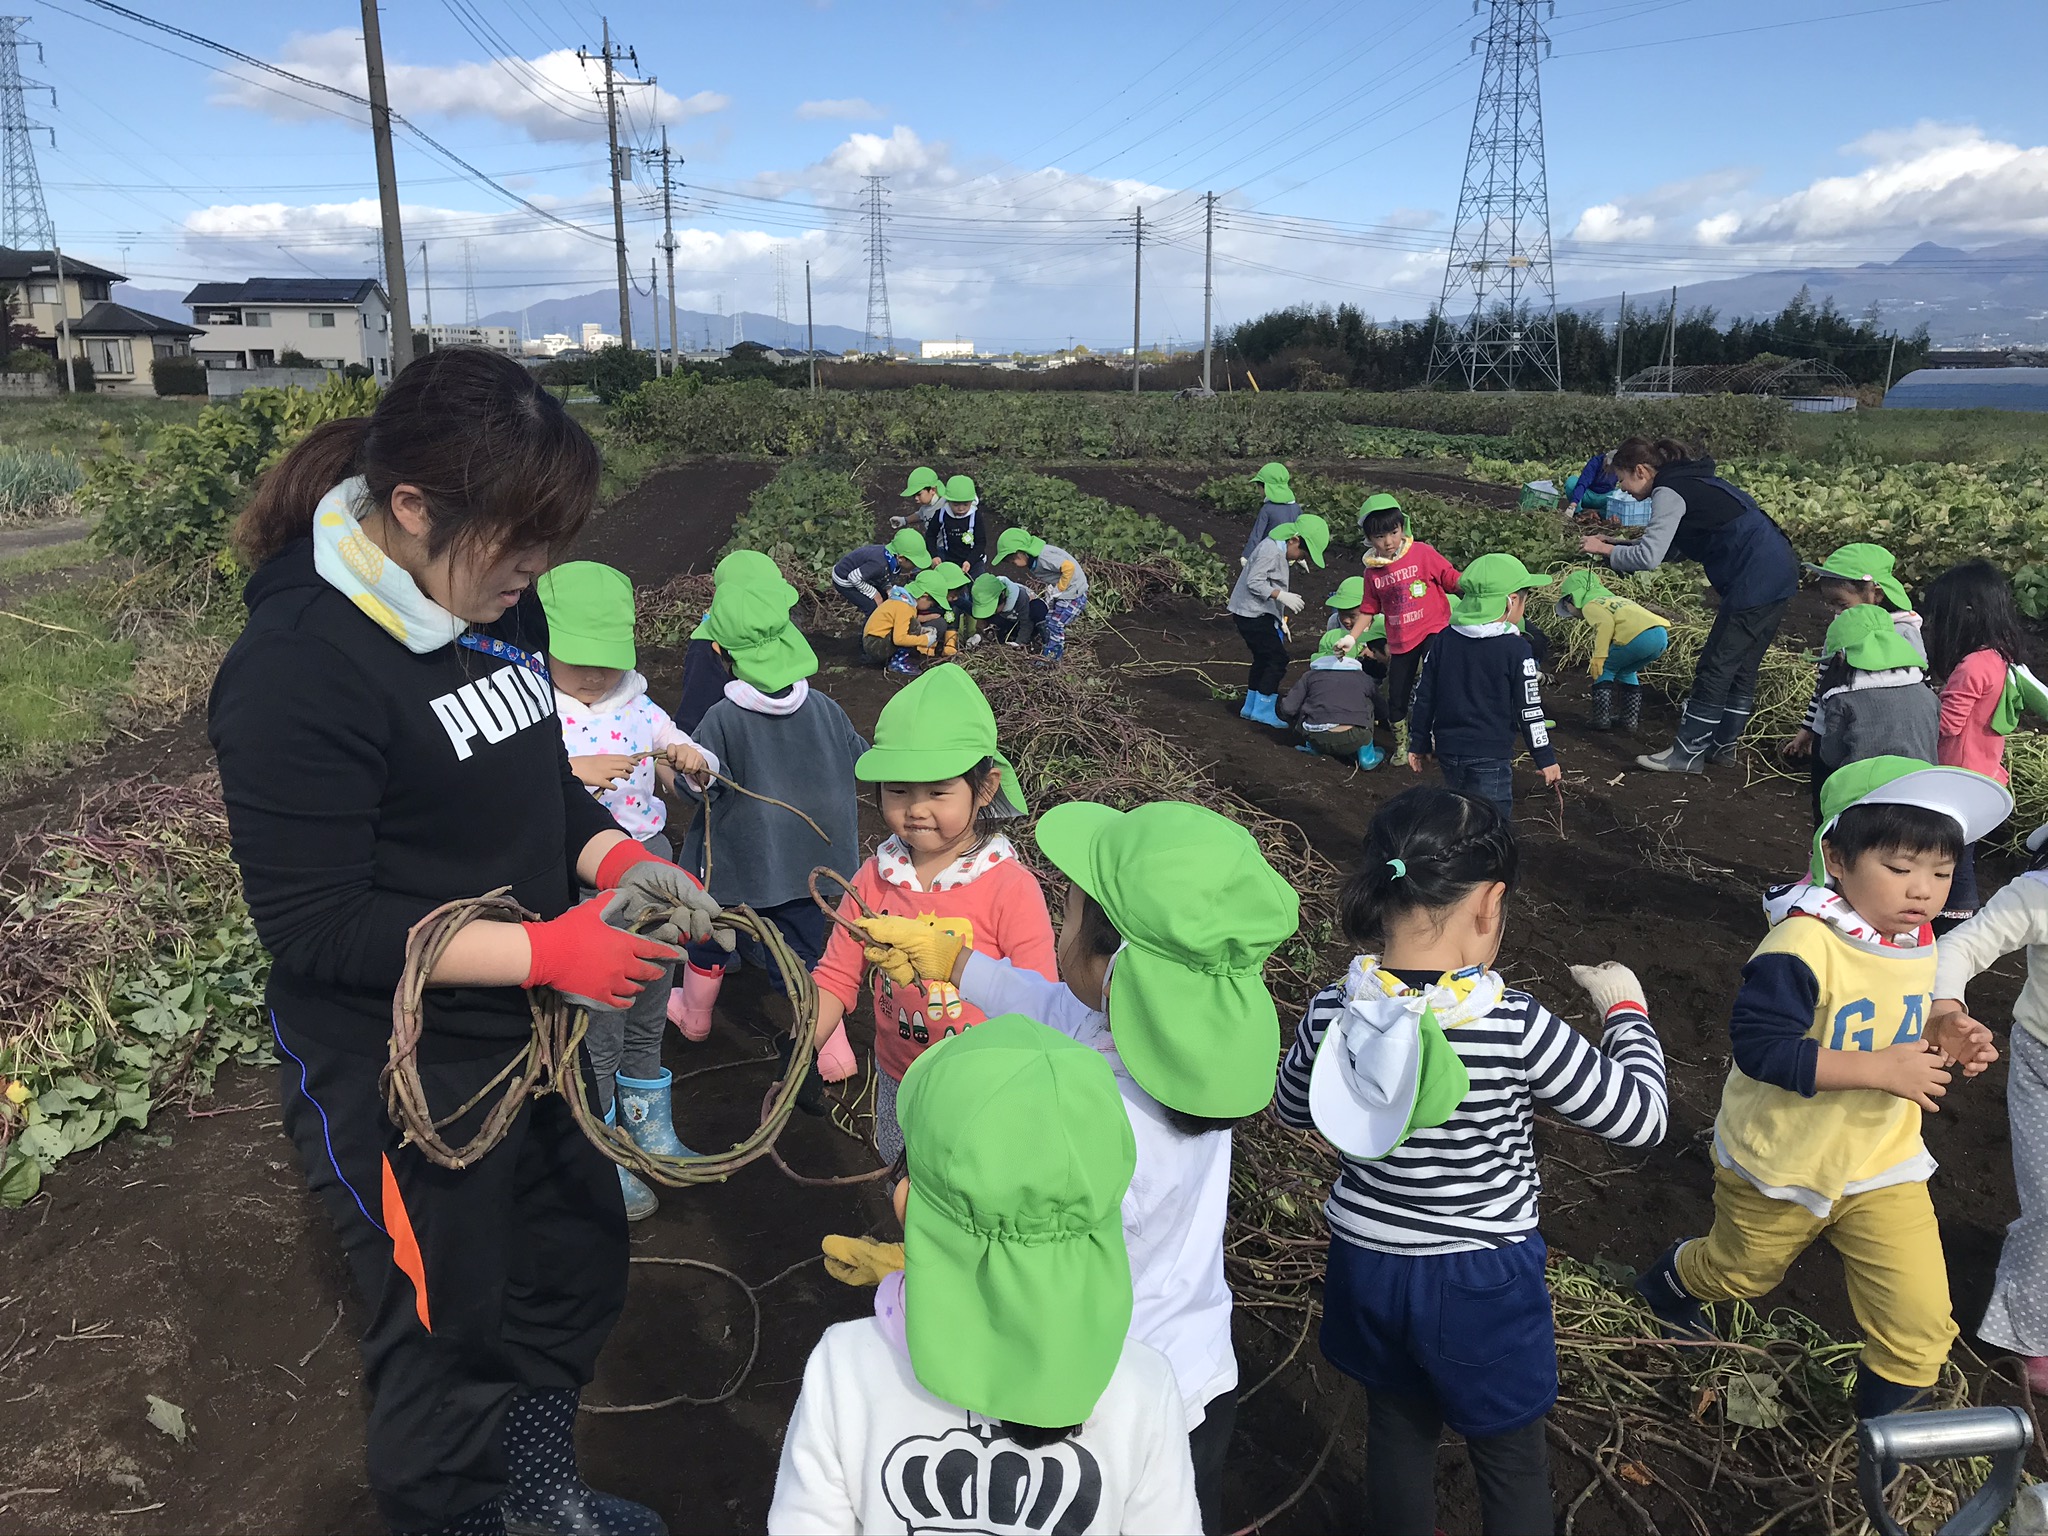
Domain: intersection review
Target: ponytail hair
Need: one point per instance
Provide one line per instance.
(1641, 452)
(499, 461)
(1425, 850)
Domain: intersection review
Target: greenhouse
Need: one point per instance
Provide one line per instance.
(1961, 389)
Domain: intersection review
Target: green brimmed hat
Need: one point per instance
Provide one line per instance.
(1312, 530)
(1865, 638)
(909, 546)
(1486, 586)
(939, 583)
(744, 565)
(1866, 562)
(959, 489)
(749, 621)
(1349, 594)
(1381, 501)
(1580, 588)
(1015, 541)
(937, 727)
(1974, 801)
(989, 589)
(1199, 909)
(922, 478)
(1278, 482)
(590, 614)
(1017, 1281)
(1327, 645)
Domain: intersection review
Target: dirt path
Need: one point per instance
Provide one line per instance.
(19, 541)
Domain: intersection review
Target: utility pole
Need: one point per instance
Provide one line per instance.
(387, 193)
(1671, 346)
(1891, 358)
(810, 330)
(611, 55)
(668, 246)
(654, 312)
(64, 319)
(1620, 341)
(427, 286)
(1137, 288)
(1208, 280)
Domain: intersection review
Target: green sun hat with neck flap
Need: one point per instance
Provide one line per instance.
(959, 489)
(745, 565)
(1864, 637)
(940, 582)
(1580, 588)
(1866, 562)
(1017, 1282)
(1381, 501)
(1327, 645)
(1974, 801)
(909, 546)
(922, 478)
(989, 591)
(590, 614)
(937, 727)
(1199, 909)
(1015, 541)
(1486, 586)
(1349, 594)
(1278, 482)
(749, 620)
(1312, 530)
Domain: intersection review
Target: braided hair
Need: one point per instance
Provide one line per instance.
(1425, 850)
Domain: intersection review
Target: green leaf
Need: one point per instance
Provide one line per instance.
(1753, 1401)
(20, 1178)
(168, 1417)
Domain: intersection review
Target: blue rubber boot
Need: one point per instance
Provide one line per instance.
(640, 1201)
(1371, 755)
(1302, 746)
(544, 1493)
(1250, 699)
(1263, 712)
(649, 1114)
(1677, 1308)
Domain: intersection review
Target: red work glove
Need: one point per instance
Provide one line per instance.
(591, 962)
(648, 882)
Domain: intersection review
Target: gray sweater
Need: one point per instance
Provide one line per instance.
(1330, 696)
(1266, 570)
(760, 854)
(1879, 714)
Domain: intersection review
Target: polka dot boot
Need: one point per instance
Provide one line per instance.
(544, 1493)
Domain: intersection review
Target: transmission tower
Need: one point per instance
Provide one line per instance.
(878, 275)
(781, 294)
(468, 282)
(1496, 323)
(24, 221)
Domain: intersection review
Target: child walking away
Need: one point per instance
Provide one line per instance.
(1626, 638)
(1332, 707)
(1061, 582)
(944, 790)
(1007, 610)
(1280, 507)
(1819, 1129)
(907, 626)
(995, 1389)
(1260, 603)
(924, 490)
(865, 576)
(1171, 911)
(1425, 1071)
(955, 526)
(778, 736)
(1874, 698)
(1973, 644)
(1854, 574)
(1480, 689)
(619, 741)
(1408, 584)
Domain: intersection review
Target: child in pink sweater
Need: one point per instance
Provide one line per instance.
(1409, 584)
(1973, 640)
(943, 786)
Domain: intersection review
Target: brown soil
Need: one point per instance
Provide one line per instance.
(190, 1264)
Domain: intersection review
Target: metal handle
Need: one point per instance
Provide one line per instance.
(2004, 1434)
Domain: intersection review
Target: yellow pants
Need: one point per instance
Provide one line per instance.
(1891, 1256)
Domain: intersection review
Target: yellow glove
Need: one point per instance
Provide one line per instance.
(913, 949)
(860, 1260)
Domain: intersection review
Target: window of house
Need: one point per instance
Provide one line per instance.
(255, 317)
(383, 366)
(165, 349)
(321, 319)
(261, 357)
(109, 354)
(221, 317)
(93, 289)
(42, 293)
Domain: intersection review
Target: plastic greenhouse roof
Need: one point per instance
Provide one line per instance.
(1962, 389)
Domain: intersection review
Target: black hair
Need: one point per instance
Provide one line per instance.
(1641, 452)
(1865, 829)
(1967, 608)
(977, 779)
(1424, 851)
(1386, 520)
(1032, 1437)
(1863, 586)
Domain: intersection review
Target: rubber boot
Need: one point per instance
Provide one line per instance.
(640, 1201)
(484, 1520)
(689, 1006)
(1676, 1307)
(1302, 746)
(649, 1113)
(836, 1061)
(1400, 741)
(1251, 701)
(1601, 717)
(1688, 754)
(1876, 1397)
(544, 1493)
(1728, 730)
(1629, 714)
(1370, 756)
(1263, 712)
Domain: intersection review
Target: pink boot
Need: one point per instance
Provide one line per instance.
(2037, 1374)
(689, 1006)
(836, 1061)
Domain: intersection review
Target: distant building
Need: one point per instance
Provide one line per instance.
(494, 338)
(932, 349)
(331, 322)
(596, 337)
(554, 344)
(120, 343)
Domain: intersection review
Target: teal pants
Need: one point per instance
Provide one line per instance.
(1625, 661)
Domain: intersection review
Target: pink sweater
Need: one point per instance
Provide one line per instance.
(997, 896)
(1968, 699)
(1410, 594)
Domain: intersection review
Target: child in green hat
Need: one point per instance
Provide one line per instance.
(955, 526)
(909, 623)
(1408, 585)
(1426, 1071)
(865, 576)
(924, 490)
(1260, 604)
(995, 1389)
(944, 790)
(1008, 609)
(1853, 576)
(1280, 507)
(1057, 575)
(1333, 706)
(626, 750)
(1626, 638)
(1874, 699)
(1481, 687)
(1171, 912)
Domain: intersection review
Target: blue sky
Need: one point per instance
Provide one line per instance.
(1686, 138)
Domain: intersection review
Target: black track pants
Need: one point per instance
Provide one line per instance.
(482, 1282)
(1512, 1470)
(1269, 652)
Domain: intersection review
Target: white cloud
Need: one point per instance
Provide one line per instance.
(856, 109)
(1717, 229)
(551, 97)
(1605, 222)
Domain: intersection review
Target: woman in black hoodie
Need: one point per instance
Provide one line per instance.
(387, 741)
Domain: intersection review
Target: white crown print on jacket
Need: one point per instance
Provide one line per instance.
(968, 1481)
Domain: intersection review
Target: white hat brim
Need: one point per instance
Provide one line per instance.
(1974, 801)
(1351, 1123)
(2037, 839)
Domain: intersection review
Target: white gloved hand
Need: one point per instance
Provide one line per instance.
(1345, 642)
(1609, 984)
(1291, 601)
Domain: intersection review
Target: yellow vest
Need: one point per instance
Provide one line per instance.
(1616, 621)
(1871, 996)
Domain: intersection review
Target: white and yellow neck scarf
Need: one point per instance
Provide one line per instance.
(355, 567)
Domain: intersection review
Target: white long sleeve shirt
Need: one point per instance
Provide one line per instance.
(869, 1450)
(1174, 1211)
(2014, 918)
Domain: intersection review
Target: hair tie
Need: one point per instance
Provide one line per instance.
(1398, 866)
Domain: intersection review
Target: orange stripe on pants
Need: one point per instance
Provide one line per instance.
(405, 1248)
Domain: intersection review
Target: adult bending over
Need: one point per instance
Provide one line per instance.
(388, 742)
(1696, 515)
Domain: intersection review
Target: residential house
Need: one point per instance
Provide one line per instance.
(120, 343)
(331, 322)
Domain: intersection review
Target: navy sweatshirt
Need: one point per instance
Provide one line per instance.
(1475, 692)
(1770, 1027)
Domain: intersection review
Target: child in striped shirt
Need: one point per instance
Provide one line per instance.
(1424, 1070)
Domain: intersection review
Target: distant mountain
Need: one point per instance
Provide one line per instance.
(568, 316)
(1996, 295)
(166, 303)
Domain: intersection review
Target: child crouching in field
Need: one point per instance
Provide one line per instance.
(1006, 611)
(1260, 603)
(944, 790)
(1058, 576)
(907, 626)
(1425, 1071)
(1626, 638)
(1171, 910)
(1819, 1129)
(1332, 707)
(865, 576)
(995, 1388)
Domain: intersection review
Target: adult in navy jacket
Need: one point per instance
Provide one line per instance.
(1696, 515)
(388, 742)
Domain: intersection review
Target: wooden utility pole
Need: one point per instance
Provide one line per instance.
(64, 323)
(611, 55)
(1137, 289)
(1620, 340)
(654, 311)
(1208, 279)
(1891, 358)
(810, 330)
(387, 193)
(427, 286)
(668, 245)
(1671, 346)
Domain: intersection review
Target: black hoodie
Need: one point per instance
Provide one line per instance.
(366, 785)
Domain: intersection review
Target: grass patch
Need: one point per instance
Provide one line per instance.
(1913, 437)
(92, 427)
(73, 554)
